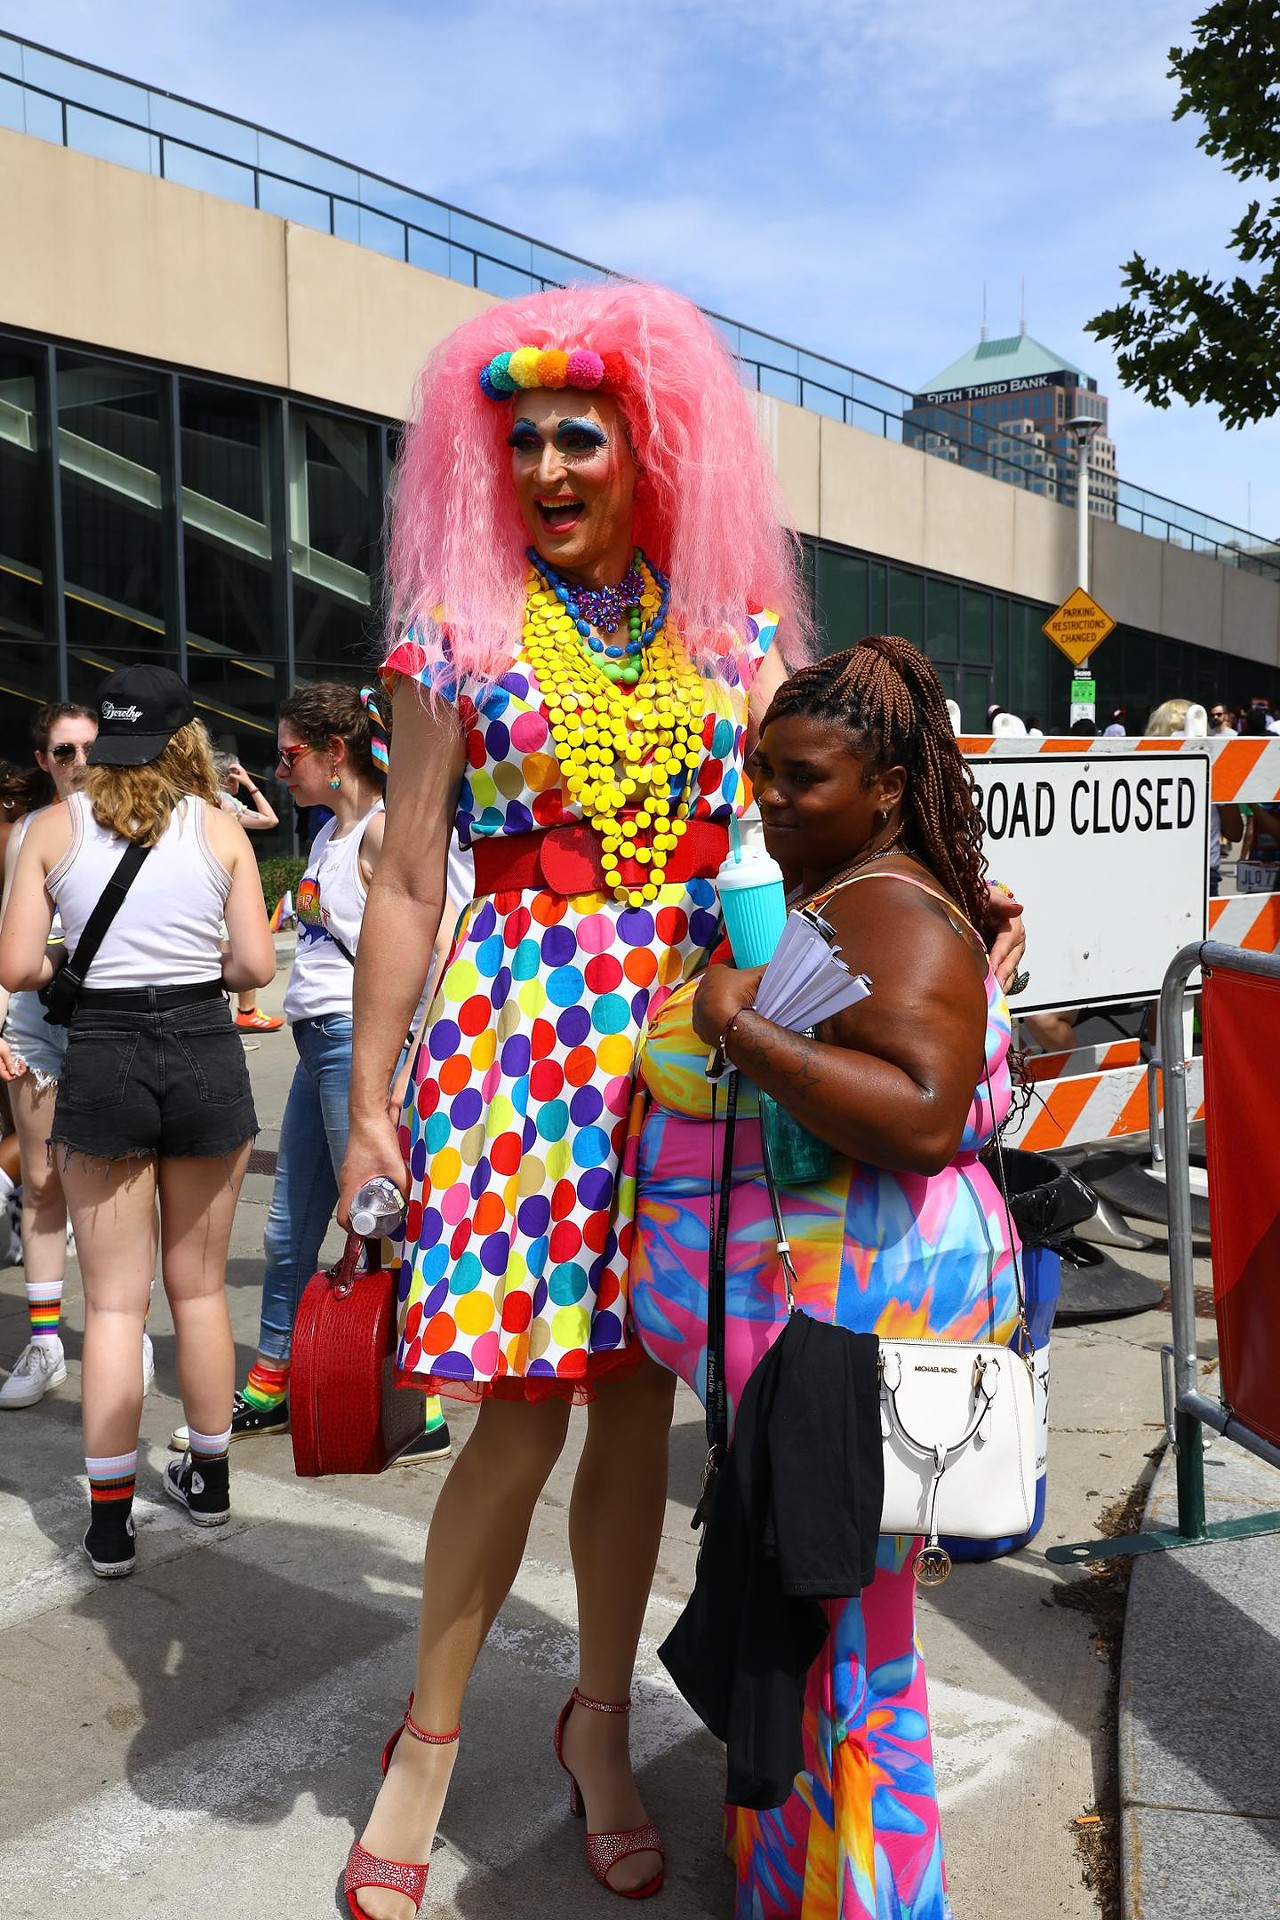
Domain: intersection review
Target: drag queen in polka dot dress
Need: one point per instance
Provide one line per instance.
(585, 536)
(520, 1211)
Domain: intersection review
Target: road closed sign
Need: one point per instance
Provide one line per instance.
(1109, 856)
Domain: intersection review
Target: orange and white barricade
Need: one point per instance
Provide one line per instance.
(1092, 1095)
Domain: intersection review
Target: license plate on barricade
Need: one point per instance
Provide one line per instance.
(1257, 876)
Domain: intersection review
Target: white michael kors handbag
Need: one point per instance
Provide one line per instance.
(959, 1429)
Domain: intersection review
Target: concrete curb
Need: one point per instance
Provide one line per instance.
(1199, 1704)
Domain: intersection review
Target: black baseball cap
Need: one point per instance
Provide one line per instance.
(139, 711)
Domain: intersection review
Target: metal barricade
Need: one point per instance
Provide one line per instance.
(1187, 1410)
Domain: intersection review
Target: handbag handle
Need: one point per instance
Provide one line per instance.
(342, 1274)
(1023, 1345)
(940, 1451)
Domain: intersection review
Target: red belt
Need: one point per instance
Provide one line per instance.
(570, 859)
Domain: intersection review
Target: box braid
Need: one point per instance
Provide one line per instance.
(886, 693)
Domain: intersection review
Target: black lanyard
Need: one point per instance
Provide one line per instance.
(717, 1403)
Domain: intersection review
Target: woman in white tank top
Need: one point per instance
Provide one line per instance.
(153, 1105)
(31, 1057)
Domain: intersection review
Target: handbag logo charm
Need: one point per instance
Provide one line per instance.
(931, 1565)
(952, 1417)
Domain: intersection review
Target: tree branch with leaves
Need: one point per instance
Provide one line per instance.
(1186, 335)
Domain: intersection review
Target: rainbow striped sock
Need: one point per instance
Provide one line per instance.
(433, 1414)
(111, 1480)
(44, 1308)
(266, 1386)
(208, 1447)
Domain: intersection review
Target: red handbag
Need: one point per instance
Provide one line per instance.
(345, 1411)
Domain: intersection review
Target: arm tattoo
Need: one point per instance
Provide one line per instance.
(789, 1059)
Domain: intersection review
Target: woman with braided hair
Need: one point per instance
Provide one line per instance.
(870, 810)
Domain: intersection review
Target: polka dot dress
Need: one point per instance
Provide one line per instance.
(520, 1211)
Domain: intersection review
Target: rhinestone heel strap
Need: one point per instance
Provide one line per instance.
(365, 1869)
(581, 1699)
(604, 1850)
(410, 1726)
(431, 1739)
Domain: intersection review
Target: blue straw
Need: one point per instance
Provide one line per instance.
(735, 839)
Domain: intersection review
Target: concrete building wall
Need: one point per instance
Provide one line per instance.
(98, 254)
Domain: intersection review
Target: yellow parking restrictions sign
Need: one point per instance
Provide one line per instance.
(1079, 626)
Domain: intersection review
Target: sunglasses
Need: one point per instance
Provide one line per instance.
(68, 751)
(288, 757)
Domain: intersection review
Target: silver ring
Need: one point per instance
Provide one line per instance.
(1019, 982)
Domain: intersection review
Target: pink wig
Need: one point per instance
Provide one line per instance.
(709, 512)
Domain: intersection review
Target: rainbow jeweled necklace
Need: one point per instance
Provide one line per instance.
(603, 608)
(619, 745)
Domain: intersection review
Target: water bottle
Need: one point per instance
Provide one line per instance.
(753, 900)
(378, 1207)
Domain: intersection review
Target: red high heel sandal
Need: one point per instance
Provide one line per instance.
(366, 1869)
(605, 1850)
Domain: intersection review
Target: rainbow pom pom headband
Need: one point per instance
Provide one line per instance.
(528, 367)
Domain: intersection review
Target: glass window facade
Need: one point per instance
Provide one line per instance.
(229, 533)
(28, 665)
(115, 478)
(988, 646)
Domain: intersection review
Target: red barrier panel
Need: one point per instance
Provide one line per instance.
(1240, 1021)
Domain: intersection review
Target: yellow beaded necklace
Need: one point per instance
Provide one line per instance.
(621, 749)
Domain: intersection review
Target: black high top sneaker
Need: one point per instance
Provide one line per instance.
(202, 1486)
(109, 1541)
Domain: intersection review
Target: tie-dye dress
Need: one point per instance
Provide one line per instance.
(519, 1227)
(891, 1253)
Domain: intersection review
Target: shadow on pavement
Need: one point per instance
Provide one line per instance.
(255, 1694)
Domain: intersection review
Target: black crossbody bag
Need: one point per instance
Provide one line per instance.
(58, 996)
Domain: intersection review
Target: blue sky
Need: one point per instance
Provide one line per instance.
(846, 174)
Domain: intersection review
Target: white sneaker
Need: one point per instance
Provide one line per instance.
(179, 1440)
(148, 1365)
(38, 1367)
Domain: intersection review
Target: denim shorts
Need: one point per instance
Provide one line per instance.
(43, 1048)
(171, 1082)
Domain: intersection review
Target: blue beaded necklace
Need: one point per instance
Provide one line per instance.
(611, 602)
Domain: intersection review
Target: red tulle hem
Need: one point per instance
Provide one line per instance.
(619, 1364)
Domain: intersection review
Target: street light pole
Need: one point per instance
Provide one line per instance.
(1083, 426)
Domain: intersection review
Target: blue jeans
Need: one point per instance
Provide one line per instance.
(313, 1140)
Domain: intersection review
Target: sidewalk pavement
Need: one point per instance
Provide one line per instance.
(200, 1741)
(1200, 1707)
